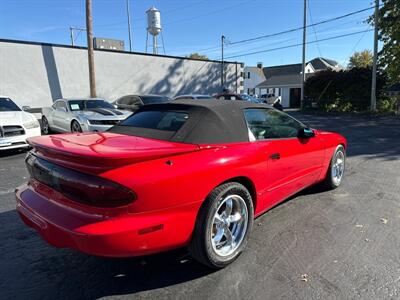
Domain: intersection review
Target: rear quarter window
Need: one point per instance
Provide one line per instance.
(159, 120)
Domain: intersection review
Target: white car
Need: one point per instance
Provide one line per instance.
(16, 125)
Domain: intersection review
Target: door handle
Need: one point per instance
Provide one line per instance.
(275, 156)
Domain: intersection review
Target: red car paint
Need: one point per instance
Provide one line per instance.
(170, 181)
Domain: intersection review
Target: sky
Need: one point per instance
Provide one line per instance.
(197, 25)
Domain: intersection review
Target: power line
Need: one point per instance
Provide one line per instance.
(208, 13)
(144, 18)
(288, 40)
(299, 44)
(302, 27)
(211, 50)
(287, 31)
(313, 27)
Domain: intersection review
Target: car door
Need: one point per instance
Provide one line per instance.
(293, 163)
(60, 116)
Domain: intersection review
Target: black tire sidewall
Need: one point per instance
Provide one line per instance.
(44, 120)
(72, 125)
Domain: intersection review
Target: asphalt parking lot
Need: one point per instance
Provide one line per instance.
(342, 244)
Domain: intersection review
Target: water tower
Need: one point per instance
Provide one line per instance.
(154, 28)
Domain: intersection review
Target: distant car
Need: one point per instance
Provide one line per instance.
(133, 102)
(78, 115)
(16, 125)
(268, 98)
(249, 98)
(228, 96)
(194, 97)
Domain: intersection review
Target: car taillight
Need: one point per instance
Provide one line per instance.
(80, 187)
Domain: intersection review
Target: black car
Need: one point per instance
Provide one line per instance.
(133, 102)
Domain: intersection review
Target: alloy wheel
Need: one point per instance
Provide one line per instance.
(338, 165)
(229, 225)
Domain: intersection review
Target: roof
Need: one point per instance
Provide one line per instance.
(286, 75)
(209, 122)
(321, 63)
(193, 95)
(81, 99)
(283, 80)
(282, 70)
(291, 79)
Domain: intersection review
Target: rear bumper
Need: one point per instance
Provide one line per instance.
(123, 236)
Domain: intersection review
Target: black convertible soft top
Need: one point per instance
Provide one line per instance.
(208, 122)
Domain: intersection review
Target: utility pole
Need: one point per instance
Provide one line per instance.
(129, 24)
(222, 62)
(303, 79)
(89, 31)
(71, 32)
(374, 69)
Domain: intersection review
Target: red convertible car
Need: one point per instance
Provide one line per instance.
(188, 173)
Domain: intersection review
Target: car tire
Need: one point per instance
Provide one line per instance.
(218, 240)
(45, 126)
(334, 176)
(75, 127)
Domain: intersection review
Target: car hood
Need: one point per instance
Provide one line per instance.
(95, 152)
(15, 117)
(103, 114)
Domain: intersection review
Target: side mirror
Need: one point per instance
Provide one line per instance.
(306, 133)
(26, 108)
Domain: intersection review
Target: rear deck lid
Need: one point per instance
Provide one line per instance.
(98, 151)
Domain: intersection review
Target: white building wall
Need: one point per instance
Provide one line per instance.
(285, 96)
(253, 81)
(36, 74)
(309, 69)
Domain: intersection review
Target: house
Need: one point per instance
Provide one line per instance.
(253, 76)
(285, 80)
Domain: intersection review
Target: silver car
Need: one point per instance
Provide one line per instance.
(78, 115)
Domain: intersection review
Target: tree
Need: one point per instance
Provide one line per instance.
(344, 91)
(389, 34)
(196, 55)
(362, 59)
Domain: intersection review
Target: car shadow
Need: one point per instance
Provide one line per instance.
(13, 152)
(70, 274)
(32, 268)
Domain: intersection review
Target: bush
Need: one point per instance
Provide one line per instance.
(387, 104)
(343, 91)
